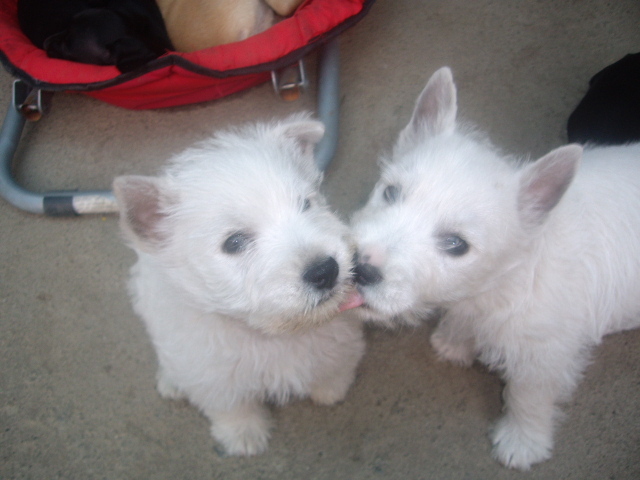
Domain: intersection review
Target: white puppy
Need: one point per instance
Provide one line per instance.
(241, 266)
(532, 263)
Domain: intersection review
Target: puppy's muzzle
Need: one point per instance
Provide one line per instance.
(366, 274)
(322, 274)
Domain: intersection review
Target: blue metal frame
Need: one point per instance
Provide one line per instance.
(32, 104)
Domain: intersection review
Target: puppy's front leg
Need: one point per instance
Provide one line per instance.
(332, 388)
(537, 380)
(453, 342)
(242, 430)
(524, 435)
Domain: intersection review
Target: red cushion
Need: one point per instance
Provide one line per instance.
(181, 78)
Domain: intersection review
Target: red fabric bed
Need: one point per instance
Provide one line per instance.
(181, 78)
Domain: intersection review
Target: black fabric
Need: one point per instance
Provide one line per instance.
(609, 113)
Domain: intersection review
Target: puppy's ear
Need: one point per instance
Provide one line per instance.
(306, 134)
(544, 182)
(141, 201)
(435, 110)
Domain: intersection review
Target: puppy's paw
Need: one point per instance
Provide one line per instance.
(461, 354)
(328, 394)
(167, 389)
(243, 431)
(516, 447)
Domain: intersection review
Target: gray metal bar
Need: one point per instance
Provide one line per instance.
(48, 203)
(328, 102)
(9, 139)
(69, 203)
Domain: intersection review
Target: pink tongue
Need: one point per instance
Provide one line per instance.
(352, 301)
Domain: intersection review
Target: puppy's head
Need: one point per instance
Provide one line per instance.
(448, 216)
(101, 37)
(239, 227)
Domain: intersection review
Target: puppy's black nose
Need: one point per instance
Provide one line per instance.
(367, 274)
(322, 274)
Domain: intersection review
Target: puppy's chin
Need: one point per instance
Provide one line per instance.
(369, 315)
(387, 317)
(296, 324)
(300, 322)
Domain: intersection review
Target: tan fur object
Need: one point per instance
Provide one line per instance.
(284, 8)
(199, 24)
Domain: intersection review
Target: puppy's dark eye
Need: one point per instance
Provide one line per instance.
(391, 194)
(236, 243)
(454, 245)
(306, 204)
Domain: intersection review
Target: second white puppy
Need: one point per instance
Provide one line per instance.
(241, 268)
(532, 262)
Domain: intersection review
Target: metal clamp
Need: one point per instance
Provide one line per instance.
(33, 104)
(290, 82)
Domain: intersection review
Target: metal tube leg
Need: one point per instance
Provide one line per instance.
(328, 102)
(9, 139)
(102, 201)
(50, 203)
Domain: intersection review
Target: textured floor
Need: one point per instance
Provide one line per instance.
(77, 395)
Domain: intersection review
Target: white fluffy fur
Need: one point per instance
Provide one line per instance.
(553, 260)
(233, 330)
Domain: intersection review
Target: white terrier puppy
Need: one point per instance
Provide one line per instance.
(241, 266)
(532, 263)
